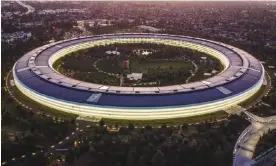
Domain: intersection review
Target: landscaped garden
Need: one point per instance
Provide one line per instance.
(159, 65)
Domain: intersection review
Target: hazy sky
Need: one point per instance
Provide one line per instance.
(177, 0)
(147, 0)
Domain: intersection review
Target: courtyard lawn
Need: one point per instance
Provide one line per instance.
(140, 65)
(110, 65)
(75, 63)
(97, 78)
(165, 66)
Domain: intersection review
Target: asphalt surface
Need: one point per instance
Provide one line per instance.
(246, 143)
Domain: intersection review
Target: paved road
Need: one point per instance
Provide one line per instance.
(30, 8)
(193, 72)
(268, 158)
(246, 143)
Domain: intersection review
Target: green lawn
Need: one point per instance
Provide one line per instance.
(110, 65)
(97, 78)
(75, 63)
(140, 65)
(80, 64)
(143, 65)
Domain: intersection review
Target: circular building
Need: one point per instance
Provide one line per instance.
(241, 78)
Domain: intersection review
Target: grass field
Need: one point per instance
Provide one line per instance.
(140, 65)
(155, 68)
(97, 78)
(79, 63)
(110, 65)
(143, 65)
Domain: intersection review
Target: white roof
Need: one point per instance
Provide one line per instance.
(135, 76)
(207, 74)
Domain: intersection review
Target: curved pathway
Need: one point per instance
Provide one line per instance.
(268, 157)
(30, 8)
(193, 72)
(116, 75)
(101, 71)
(246, 143)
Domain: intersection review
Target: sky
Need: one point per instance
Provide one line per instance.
(144, 0)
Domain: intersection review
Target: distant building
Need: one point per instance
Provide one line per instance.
(135, 76)
(271, 45)
(16, 36)
(14, 136)
(148, 28)
(104, 25)
(146, 53)
(94, 23)
(112, 52)
(142, 52)
(207, 74)
(31, 24)
(214, 71)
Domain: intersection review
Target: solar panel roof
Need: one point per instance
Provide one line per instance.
(46, 81)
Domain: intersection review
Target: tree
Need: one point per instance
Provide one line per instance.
(164, 126)
(130, 126)
(73, 121)
(116, 125)
(185, 126)
(69, 157)
(101, 123)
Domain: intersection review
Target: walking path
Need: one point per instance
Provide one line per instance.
(193, 72)
(95, 66)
